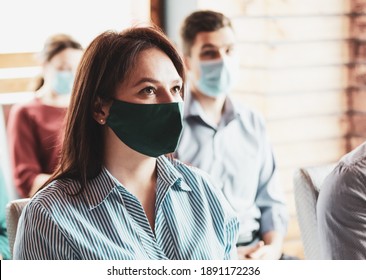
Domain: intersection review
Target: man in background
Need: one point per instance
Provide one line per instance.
(228, 140)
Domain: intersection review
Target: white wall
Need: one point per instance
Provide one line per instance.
(24, 24)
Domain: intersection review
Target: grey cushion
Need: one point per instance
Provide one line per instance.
(13, 211)
(307, 183)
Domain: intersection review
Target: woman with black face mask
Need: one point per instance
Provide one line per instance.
(116, 193)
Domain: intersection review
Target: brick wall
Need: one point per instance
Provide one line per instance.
(295, 61)
(357, 73)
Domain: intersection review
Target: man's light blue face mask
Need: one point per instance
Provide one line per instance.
(218, 76)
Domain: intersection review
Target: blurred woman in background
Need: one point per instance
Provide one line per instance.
(34, 128)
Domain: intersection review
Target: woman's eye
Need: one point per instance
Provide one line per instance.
(148, 91)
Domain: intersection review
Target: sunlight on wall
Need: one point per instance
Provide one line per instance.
(24, 24)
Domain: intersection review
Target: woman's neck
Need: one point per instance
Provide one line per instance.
(53, 99)
(135, 171)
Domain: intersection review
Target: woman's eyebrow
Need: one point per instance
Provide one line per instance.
(177, 81)
(145, 80)
(153, 81)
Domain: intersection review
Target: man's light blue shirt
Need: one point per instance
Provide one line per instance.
(106, 221)
(239, 158)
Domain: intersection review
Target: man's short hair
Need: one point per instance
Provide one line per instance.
(201, 21)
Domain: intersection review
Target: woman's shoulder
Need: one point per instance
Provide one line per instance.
(56, 194)
(35, 106)
(27, 105)
(24, 109)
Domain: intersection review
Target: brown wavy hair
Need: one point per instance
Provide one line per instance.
(106, 63)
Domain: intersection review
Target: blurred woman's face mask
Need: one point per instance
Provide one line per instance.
(150, 129)
(217, 76)
(63, 82)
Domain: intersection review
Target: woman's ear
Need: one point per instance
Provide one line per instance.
(101, 110)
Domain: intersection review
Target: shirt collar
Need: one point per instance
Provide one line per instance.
(169, 175)
(194, 109)
(99, 188)
(230, 111)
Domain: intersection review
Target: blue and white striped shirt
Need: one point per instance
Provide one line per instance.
(192, 220)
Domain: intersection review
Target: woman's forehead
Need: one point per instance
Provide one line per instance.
(154, 64)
